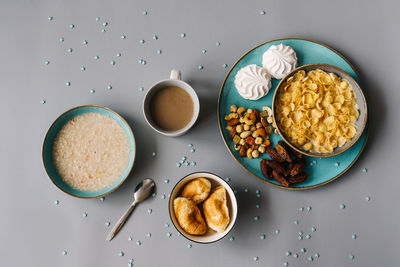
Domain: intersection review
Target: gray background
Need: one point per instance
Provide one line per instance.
(34, 231)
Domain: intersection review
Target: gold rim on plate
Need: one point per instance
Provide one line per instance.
(97, 106)
(227, 146)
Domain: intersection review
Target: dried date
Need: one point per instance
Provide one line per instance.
(280, 179)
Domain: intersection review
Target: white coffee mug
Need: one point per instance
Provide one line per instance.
(174, 80)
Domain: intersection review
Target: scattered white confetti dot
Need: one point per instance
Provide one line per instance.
(154, 194)
(105, 24)
(246, 190)
(303, 250)
(112, 62)
(159, 51)
(301, 209)
(149, 211)
(70, 50)
(138, 242)
(68, 84)
(145, 12)
(84, 215)
(256, 258)
(225, 66)
(96, 57)
(262, 12)
(342, 206)
(203, 51)
(123, 37)
(166, 181)
(64, 252)
(235, 192)
(310, 258)
(316, 255)
(193, 163)
(85, 42)
(61, 39)
(286, 263)
(107, 223)
(183, 35)
(102, 198)
(300, 237)
(119, 54)
(103, 30)
(163, 196)
(121, 254)
(43, 101)
(217, 43)
(189, 245)
(178, 164)
(365, 170)
(354, 236)
(83, 68)
(256, 218)
(56, 202)
(228, 179)
(187, 163)
(368, 198)
(262, 237)
(144, 62)
(300, 233)
(232, 238)
(308, 236)
(71, 26)
(166, 225)
(309, 208)
(337, 164)
(47, 62)
(296, 222)
(295, 255)
(277, 231)
(190, 145)
(257, 206)
(351, 256)
(142, 41)
(192, 150)
(201, 67)
(288, 253)
(109, 87)
(313, 229)
(50, 18)
(130, 260)
(130, 264)
(130, 238)
(148, 235)
(154, 154)
(97, 18)
(169, 234)
(155, 37)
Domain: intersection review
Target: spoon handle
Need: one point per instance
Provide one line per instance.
(121, 222)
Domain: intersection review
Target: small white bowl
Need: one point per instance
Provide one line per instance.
(215, 180)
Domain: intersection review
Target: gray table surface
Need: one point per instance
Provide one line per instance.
(34, 231)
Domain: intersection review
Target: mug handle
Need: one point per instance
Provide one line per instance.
(175, 75)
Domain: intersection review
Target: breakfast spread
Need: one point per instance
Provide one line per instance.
(171, 108)
(279, 60)
(249, 130)
(215, 207)
(252, 82)
(91, 152)
(316, 111)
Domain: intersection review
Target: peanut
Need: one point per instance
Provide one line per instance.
(249, 153)
(255, 154)
(258, 141)
(246, 127)
(245, 134)
(261, 149)
(233, 108)
(240, 110)
(239, 128)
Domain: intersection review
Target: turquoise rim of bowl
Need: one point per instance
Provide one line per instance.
(47, 150)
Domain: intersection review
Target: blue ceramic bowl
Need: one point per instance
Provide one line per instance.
(47, 150)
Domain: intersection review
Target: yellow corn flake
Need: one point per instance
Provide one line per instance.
(317, 111)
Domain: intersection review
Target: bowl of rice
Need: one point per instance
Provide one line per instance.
(89, 151)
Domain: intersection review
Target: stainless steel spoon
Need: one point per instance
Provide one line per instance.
(142, 191)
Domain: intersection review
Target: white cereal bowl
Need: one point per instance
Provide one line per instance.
(210, 236)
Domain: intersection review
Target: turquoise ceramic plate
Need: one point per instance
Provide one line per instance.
(47, 150)
(320, 170)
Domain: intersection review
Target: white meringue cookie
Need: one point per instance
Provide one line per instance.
(252, 82)
(279, 60)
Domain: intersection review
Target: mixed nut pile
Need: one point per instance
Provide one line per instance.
(249, 130)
